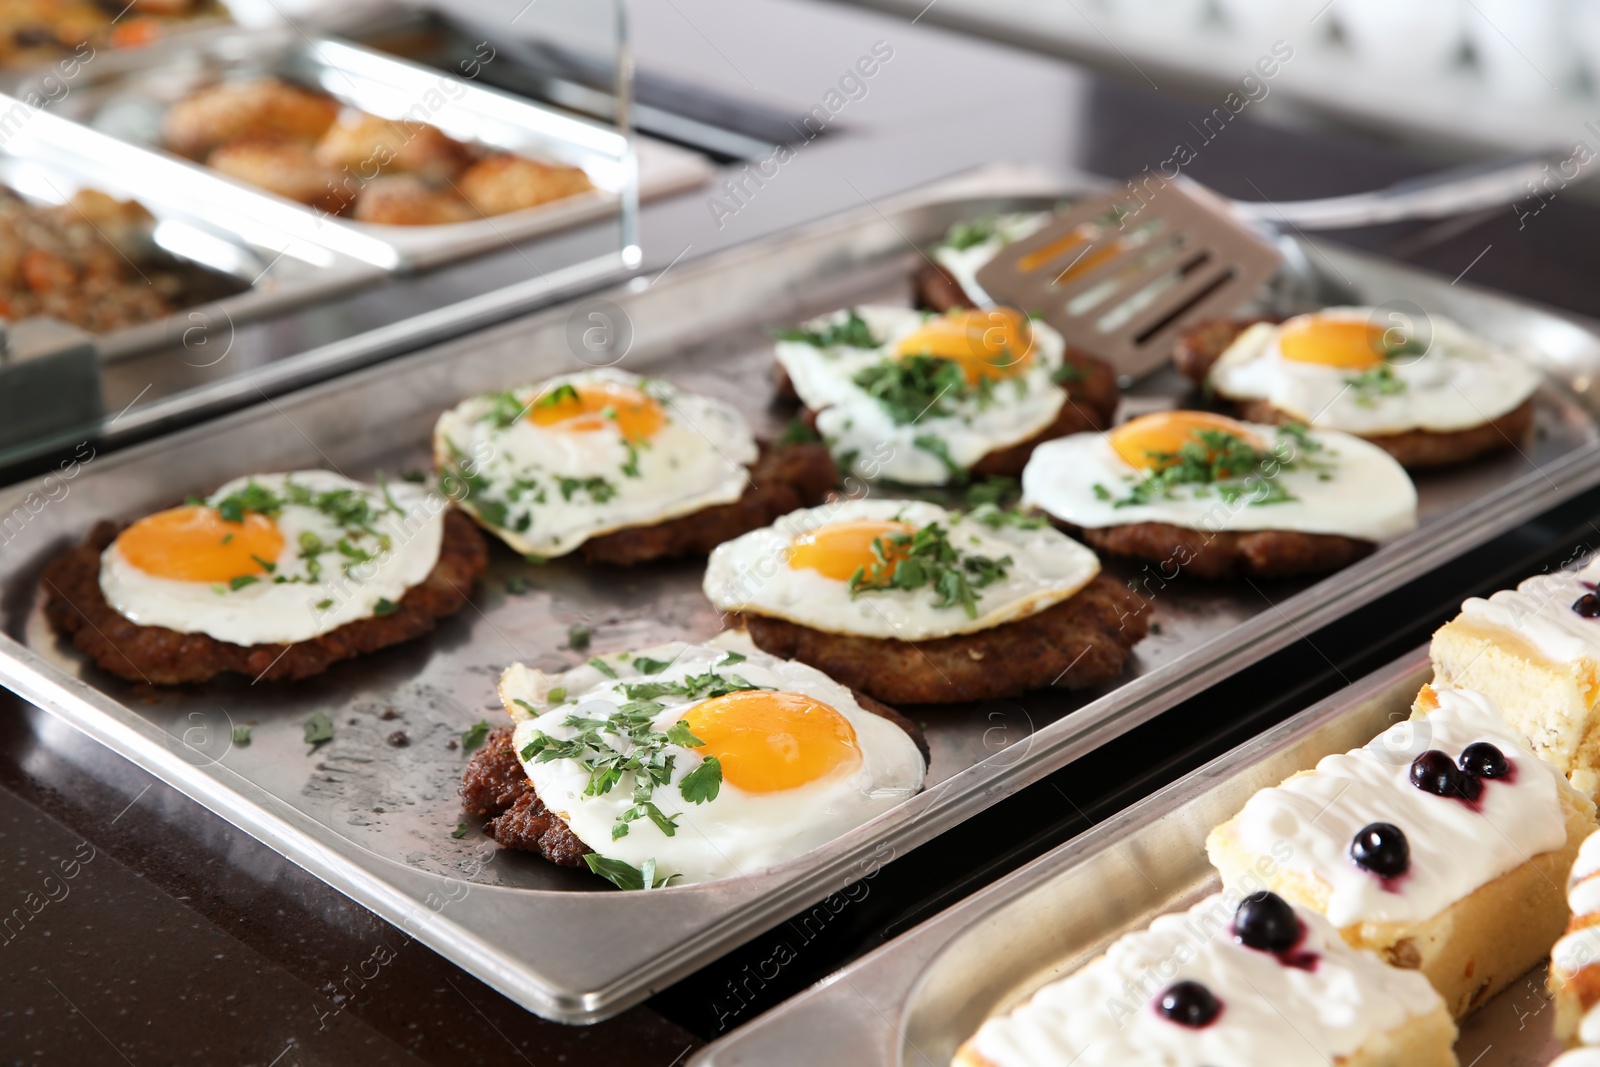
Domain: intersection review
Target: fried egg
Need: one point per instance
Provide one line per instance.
(743, 760)
(898, 569)
(919, 398)
(970, 246)
(1340, 369)
(550, 465)
(275, 558)
(1206, 472)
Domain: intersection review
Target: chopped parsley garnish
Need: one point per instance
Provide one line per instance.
(997, 489)
(995, 517)
(630, 469)
(1066, 374)
(646, 665)
(561, 394)
(703, 783)
(352, 510)
(415, 476)
(578, 635)
(625, 875)
(241, 734)
(731, 658)
(603, 667)
(599, 489)
(319, 728)
(473, 736)
(852, 331)
(1214, 461)
(910, 561)
(964, 235)
(556, 696)
(384, 607)
(1371, 384)
(504, 409)
(517, 585)
(627, 743)
(460, 831)
(798, 433)
(914, 387)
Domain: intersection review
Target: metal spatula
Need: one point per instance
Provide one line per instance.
(1121, 275)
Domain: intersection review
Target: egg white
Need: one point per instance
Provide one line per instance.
(963, 264)
(751, 573)
(295, 608)
(1365, 493)
(738, 831)
(698, 459)
(1462, 381)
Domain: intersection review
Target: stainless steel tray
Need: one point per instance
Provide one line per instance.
(122, 97)
(48, 159)
(915, 1000)
(560, 942)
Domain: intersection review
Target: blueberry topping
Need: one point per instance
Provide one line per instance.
(1587, 606)
(1436, 773)
(1267, 923)
(1381, 848)
(1482, 760)
(1189, 1004)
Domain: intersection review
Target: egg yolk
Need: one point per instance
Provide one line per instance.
(767, 742)
(596, 405)
(195, 544)
(840, 549)
(985, 343)
(1148, 441)
(1349, 344)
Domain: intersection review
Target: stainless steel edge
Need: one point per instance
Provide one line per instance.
(874, 1011)
(667, 934)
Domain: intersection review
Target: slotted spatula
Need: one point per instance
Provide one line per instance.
(1120, 275)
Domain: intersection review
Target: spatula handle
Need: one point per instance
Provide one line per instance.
(1448, 192)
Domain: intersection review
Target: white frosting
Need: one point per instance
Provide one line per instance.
(1104, 1015)
(1454, 849)
(1462, 381)
(1581, 948)
(963, 264)
(1540, 612)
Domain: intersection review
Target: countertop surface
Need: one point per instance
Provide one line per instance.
(136, 927)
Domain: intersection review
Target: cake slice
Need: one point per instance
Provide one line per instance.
(1535, 650)
(1442, 845)
(1575, 961)
(1229, 981)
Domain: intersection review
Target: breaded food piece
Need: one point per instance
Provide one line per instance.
(230, 111)
(76, 607)
(1420, 449)
(1081, 642)
(369, 145)
(1202, 344)
(495, 787)
(784, 478)
(1227, 554)
(288, 168)
(504, 183)
(404, 200)
(937, 289)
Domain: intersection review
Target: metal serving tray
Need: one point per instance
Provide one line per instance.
(125, 95)
(375, 820)
(913, 1001)
(48, 159)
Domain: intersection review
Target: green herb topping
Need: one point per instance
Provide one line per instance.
(909, 561)
(1214, 461)
(852, 332)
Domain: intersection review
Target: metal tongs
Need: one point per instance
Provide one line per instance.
(1122, 274)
